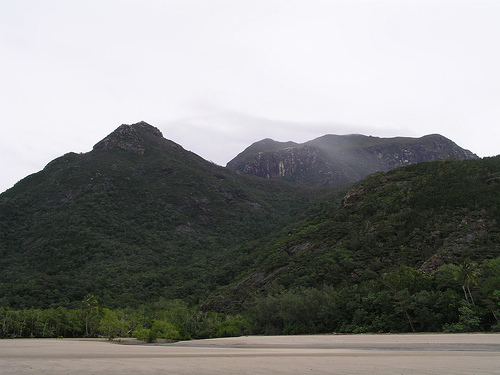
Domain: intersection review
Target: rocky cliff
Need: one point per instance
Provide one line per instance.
(341, 159)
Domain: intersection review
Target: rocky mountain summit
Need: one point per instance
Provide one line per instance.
(128, 138)
(341, 159)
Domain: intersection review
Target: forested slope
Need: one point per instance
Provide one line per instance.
(141, 237)
(419, 240)
(135, 219)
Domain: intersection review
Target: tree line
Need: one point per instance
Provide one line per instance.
(462, 297)
(171, 320)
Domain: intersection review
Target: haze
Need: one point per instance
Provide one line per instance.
(217, 75)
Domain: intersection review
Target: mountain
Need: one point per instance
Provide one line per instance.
(341, 159)
(422, 217)
(136, 218)
(162, 236)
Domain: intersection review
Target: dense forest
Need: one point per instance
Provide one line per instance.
(136, 219)
(140, 238)
(462, 297)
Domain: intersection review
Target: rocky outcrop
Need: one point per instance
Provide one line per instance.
(284, 163)
(337, 159)
(128, 138)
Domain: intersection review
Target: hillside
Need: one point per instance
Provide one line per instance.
(136, 218)
(341, 159)
(172, 243)
(403, 234)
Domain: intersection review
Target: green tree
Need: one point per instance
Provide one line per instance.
(490, 288)
(466, 273)
(91, 315)
(468, 320)
(112, 325)
(404, 303)
(144, 334)
(166, 330)
(494, 304)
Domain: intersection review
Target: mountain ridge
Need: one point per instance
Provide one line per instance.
(140, 223)
(128, 213)
(424, 216)
(340, 159)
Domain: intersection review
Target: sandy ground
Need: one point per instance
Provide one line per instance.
(321, 354)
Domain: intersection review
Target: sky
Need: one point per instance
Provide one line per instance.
(217, 75)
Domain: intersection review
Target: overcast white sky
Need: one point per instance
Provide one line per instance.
(218, 75)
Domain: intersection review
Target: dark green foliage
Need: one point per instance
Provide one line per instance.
(171, 320)
(396, 251)
(468, 320)
(405, 300)
(139, 219)
(135, 219)
(420, 216)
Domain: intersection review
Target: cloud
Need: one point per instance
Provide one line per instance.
(219, 135)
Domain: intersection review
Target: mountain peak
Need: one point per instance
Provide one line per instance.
(339, 159)
(150, 128)
(132, 138)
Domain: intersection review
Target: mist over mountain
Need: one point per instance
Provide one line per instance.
(340, 159)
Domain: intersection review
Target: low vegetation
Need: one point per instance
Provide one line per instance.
(170, 320)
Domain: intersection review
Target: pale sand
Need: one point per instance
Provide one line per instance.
(320, 354)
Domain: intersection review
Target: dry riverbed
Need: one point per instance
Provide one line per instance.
(318, 354)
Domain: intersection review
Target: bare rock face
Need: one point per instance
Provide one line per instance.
(128, 138)
(337, 159)
(285, 163)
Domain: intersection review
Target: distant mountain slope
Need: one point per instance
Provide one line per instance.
(136, 218)
(420, 216)
(340, 159)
